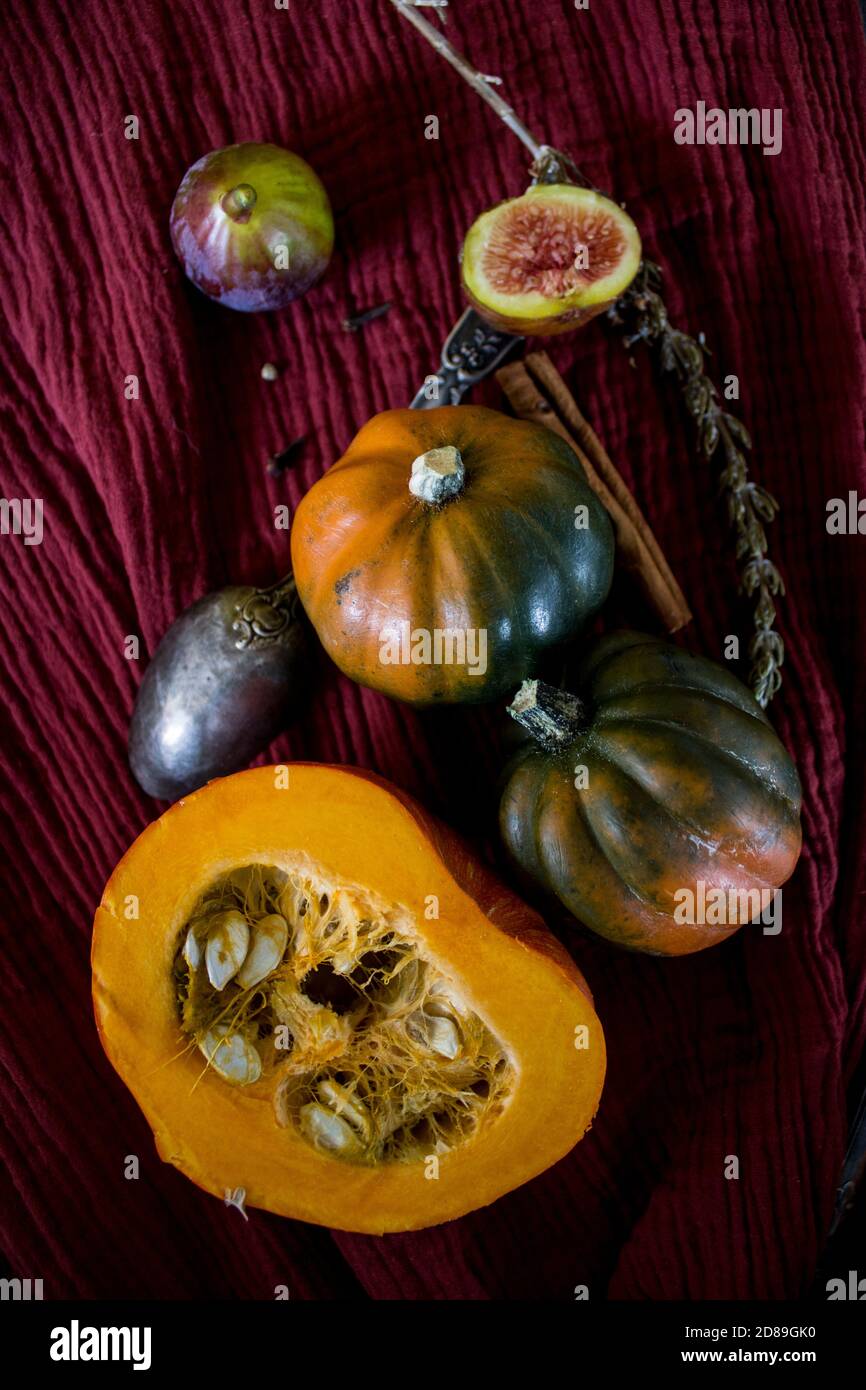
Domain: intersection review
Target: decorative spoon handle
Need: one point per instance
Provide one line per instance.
(263, 617)
(472, 351)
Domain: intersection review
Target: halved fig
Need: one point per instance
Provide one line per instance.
(549, 260)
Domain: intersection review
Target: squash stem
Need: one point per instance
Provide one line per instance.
(552, 716)
(437, 475)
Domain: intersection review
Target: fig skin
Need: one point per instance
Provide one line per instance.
(540, 314)
(234, 209)
(535, 328)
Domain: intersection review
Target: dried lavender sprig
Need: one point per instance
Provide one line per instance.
(642, 313)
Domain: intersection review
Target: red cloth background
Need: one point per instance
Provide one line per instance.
(748, 1049)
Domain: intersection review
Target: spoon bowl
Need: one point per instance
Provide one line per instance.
(225, 679)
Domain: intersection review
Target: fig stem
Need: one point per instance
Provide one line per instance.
(552, 716)
(239, 202)
(437, 475)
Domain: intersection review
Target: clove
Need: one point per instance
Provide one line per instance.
(351, 325)
(287, 458)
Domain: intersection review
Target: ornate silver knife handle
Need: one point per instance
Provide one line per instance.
(472, 351)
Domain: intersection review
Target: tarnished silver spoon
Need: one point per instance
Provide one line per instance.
(223, 682)
(227, 676)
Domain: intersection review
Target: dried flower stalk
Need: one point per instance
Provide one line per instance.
(482, 83)
(642, 313)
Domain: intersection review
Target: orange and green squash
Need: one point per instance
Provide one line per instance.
(447, 550)
(657, 792)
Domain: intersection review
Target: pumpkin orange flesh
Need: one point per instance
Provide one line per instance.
(352, 831)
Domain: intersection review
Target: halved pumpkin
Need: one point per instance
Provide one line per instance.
(317, 995)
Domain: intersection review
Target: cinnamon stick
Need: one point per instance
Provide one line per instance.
(537, 392)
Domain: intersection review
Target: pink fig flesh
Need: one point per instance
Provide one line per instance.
(550, 260)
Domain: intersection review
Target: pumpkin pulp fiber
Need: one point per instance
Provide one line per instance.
(387, 1062)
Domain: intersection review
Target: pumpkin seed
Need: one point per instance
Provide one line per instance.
(344, 1104)
(267, 946)
(445, 1002)
(192, 950)
(328, 1131)
(438, 1033)
(234, 1058)
(227, 944)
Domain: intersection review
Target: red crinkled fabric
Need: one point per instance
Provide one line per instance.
(747, 1049)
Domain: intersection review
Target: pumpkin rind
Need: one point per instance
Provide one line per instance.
(504, 556)
(509, 968)
(687, 782)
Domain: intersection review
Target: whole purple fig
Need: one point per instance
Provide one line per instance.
(252, 226)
